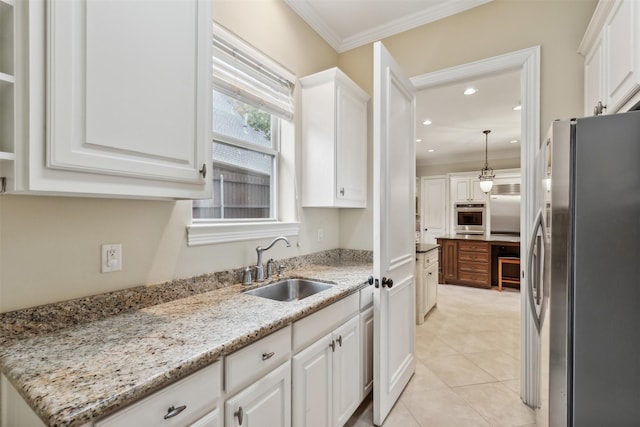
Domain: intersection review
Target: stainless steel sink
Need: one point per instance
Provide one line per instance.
(290, 289)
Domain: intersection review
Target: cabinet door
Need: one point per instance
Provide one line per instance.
(212, 419)
(312, 384)
(346, 371)
(449, 260)
(432, 285)
(366, 329)
(266, 403)
(593, 77)
(477, 195)
(621, 40)
(351, 148)
(125, 102)
(461, 191)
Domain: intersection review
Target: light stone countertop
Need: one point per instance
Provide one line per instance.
(84, 372)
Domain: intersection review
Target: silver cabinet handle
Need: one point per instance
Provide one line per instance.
(240, 414)
(173, 411)
(342, 191)
(203, 170)
(266, 356)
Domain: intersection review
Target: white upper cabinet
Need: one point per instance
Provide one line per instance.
(611, 47)
(127, 99)
(466, 189)
(334, 141)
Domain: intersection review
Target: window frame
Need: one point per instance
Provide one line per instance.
(204, 231)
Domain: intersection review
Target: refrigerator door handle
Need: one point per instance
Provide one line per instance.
(531, 280)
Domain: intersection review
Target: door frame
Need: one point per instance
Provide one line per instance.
(527, 61)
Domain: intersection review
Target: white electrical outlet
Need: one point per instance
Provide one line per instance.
(111, 258)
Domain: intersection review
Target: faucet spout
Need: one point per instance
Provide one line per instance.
(260, 250)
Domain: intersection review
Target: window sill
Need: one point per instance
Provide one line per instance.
(210, 233)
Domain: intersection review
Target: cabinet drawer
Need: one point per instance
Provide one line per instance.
(199, 392)
(476, 278)
(312, 327)
(430, 257)
(480, 267)
(473, 256)
(366, 297)
(255, 360)
(473, 246)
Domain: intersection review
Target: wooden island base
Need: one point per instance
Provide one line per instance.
(473, 260)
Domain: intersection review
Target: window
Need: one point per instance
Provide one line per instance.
(245, 161)
(252, 111)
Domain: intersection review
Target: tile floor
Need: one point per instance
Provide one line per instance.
(467, 367)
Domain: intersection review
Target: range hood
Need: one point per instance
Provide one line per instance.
(505, 190)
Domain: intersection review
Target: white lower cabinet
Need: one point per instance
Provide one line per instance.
(366, 331)
(212, 419)
(181, 404)
(426, 283)
(266, 402)
(326, 378)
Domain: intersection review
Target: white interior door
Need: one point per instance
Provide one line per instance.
(393, 233)
(434, 208)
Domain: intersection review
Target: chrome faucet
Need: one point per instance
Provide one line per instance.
(259, 250)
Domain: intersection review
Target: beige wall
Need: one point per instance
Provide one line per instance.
(50, 246)
(443, 169)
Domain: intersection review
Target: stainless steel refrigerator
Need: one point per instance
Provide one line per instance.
(584, 261)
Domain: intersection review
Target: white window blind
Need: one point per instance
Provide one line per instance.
(243, 73)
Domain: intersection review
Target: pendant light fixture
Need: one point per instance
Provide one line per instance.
(486, 174)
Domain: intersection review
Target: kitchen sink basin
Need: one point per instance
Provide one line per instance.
(290, 289)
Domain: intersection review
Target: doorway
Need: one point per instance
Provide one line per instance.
(527, 62)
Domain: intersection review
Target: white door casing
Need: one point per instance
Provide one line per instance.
(528, 62)
(393, 234)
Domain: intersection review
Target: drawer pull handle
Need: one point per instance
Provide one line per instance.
(173, 411)
(240, 414)
(266, 356)
(339, 340)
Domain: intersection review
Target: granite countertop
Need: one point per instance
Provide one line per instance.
(510, 238)
(425, 247)
(80, 373)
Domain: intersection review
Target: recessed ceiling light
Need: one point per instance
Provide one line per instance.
(418, 140)
(470, 91)
(517, 107)
(427, 122)
(513, 141)
(431, 150)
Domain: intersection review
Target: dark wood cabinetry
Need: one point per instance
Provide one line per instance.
(470, 262)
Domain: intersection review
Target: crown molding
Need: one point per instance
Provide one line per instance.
(434, 13)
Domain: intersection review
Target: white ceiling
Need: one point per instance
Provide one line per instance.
(458, 120)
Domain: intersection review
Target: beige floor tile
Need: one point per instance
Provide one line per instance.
(441, 408)
(498, 363)
(427, 347)
(468, 342)
(457, 370)
(497, 404)
(513, 385)
(424, 379)
(400, 417)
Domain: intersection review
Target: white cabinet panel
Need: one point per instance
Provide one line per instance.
(334, 141)
(114, 99)
(266, 403)
(434, 207)
(593, 76)
(346, 371)
(137, 110)
(198, 393)
(366, 330)
(312, 387)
